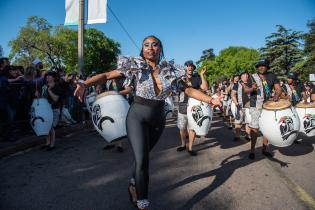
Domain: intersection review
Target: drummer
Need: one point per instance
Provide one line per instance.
(240, 98)
(53, 92)
(116, 85)
(293, 90)
(260, 86)
(197, 82)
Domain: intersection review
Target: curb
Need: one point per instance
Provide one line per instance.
(33, 141)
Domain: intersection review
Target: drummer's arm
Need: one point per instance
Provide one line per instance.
(126, 91)
(234, 97)
(278, 90)
(304, 96)
(102, 78)
(197, 94)
(313, 97)
(52, 95)
(204, 83)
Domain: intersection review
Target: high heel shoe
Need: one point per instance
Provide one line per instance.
(132, 199)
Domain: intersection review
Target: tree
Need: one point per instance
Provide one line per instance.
(1, 51)
(282, 50)
(307, 65)
(207, 54)
(230, 61)
(57, 47)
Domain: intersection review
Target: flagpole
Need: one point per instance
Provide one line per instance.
(81, 38)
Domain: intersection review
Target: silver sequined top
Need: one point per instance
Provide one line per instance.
(138, 72)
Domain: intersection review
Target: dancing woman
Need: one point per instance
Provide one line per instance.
(153, 80)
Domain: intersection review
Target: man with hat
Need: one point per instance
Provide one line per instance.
(260, 88)
(197, 82)
(293, 90)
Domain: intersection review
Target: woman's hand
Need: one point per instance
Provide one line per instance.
(216, 101)
(79, 91)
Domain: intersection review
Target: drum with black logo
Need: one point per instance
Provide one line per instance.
(306, 114)
(41, 116)
(109, 112)
(89, 100)
(279, 123)
(199, 115)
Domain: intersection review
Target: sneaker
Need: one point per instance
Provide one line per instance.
(251, 156)
(181, 148)
(192, 152)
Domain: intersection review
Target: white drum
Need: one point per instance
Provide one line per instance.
(199, 115)
(247, 116)
(41, 116)
(109, 114)
(279, 123)
(168, 107)
(306, 114)
(89, 100)
(233, 109)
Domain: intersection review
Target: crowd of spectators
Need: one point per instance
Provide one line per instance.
(19, 86)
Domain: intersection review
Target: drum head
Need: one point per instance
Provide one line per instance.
(308, 105)
(277, 105)
(108, 93)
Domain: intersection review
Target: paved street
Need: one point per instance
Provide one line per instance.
(79, 174)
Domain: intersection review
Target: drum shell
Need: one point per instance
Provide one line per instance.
(41, 116)
(274, 127)
(247, 116)
(199, 115)
(168, 107)
(109, 114)
(307, 118)
(89, 100)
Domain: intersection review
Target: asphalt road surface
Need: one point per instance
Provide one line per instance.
(79, 174)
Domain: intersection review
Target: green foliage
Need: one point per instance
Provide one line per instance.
(307, 65)
(282, 50)
(57, 47)
(230, 61)
(207, 54)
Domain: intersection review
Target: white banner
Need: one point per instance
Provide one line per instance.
(72, 12)
(312, 77)
(97, 11)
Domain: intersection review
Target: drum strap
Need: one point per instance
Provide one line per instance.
(289, 91)
(240, 94)
(260, 93)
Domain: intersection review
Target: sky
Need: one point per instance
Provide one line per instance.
(186, 28)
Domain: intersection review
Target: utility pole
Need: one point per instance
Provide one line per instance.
(81, 37)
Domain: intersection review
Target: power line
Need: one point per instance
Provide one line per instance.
(122, 26)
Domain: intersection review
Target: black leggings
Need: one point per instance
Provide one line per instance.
(145, 124)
